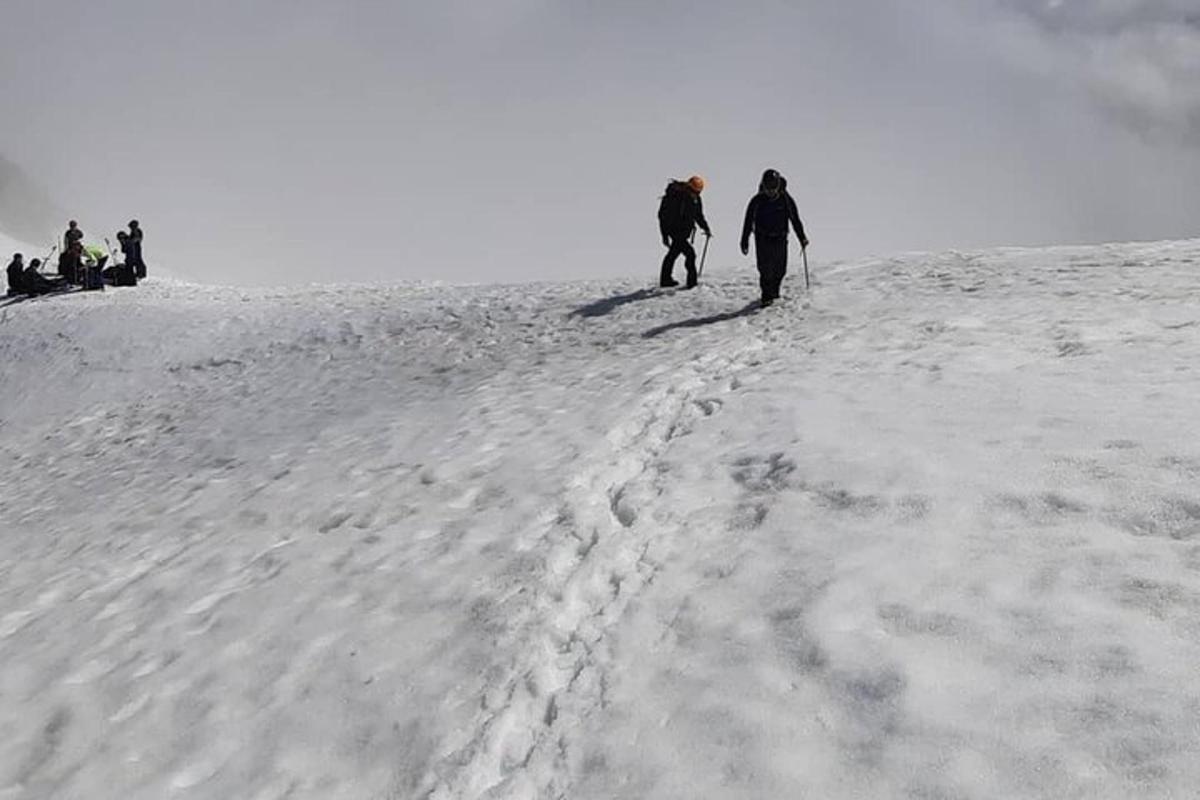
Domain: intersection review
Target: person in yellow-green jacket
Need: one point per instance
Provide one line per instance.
(94, 256)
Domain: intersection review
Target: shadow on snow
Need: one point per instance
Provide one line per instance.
(699, 322)
(608, 305)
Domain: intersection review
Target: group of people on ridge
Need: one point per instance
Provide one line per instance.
(768, 215)
(81, 264)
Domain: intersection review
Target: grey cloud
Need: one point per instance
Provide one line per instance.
(1138, 59)
(1106, 17)
(299, 140)
(26, 211)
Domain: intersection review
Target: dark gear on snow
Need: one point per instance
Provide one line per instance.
(767, 217)
(121, 273)
(679, 213)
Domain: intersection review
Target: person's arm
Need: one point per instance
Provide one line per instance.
(700, 220)
(797, 225)
(748, 225)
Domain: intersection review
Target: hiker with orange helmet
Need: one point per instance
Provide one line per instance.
(678, 215)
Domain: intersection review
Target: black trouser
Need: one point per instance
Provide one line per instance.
(68, 267)
(772, 254)
(679, 246)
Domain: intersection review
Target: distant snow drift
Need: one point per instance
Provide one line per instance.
(932, 532)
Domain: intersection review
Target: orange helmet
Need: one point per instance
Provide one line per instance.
(697, 184)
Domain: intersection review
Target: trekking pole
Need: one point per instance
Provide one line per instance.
(703, 256)
(804, 253)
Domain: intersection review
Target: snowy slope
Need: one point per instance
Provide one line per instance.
(935, 533)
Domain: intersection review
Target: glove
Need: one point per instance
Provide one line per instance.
(745, 248)
(666, 241)
(707, 233)
(804, 243)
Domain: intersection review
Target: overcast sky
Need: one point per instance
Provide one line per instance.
(270, 141)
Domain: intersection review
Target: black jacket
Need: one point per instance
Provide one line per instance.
(680, 211)
(768, 218)
(135, 244)
(72, 236)
(16, 276)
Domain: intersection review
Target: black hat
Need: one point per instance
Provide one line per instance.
(771, 180)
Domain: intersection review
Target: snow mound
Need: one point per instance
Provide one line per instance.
(932, 531)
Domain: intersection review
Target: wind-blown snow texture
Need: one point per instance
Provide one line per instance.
(934, 534)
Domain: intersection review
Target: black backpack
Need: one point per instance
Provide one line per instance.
(124, 275)
(675, 208)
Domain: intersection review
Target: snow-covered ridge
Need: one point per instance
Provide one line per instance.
(932, 532)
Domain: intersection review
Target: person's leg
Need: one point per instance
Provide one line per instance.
(679, 246)
(762, 257)
(777, 266)
(37, 283)
(668, 265)
(781, 269)
(689, 262)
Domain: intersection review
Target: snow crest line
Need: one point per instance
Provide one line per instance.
(599, 544)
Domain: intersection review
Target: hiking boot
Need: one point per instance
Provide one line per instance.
(669, 283)
(766, 301)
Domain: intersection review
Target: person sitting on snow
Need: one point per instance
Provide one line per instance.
(94, 256)
(37, 283)
(16, 274)
(28, 280)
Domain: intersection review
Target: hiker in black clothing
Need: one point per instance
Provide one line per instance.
(70, 263)
(133, 256)
(678, 215)
(768, 216)
(72, 235)
(16, 274)
(37, 283)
